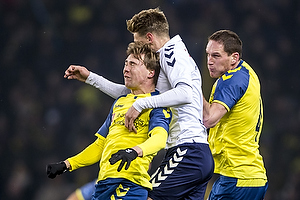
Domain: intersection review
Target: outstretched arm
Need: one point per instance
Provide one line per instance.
(81, 73)
(110, 88)
(88, 156)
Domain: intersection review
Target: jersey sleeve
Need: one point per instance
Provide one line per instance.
(230, 88)
(160, 119)
(181, 94)
(103, 130)
(90, 155)
(108, 87)
(93, 152)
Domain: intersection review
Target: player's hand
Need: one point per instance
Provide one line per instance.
(77, 72)
(130, 116)
(54, 169)
(126, 156)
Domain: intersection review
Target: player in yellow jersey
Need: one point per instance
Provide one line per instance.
(234, 115)
(125, 156)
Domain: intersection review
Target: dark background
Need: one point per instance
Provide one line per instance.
(46, 118)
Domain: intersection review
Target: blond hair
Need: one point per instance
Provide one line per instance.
(151, 58)
(151, 20)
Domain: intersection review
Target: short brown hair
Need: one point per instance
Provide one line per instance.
(151, 58)
(230, 41)
(151, 20)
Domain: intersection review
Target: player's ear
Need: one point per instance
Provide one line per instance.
(149, 37)
(151, 73)
(235, 57)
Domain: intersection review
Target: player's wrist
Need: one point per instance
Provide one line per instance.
(91, 78)
(68, 165)
(138, 105)
(138, 150)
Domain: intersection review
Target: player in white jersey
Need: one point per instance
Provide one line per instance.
(180, 69)
(188, 164)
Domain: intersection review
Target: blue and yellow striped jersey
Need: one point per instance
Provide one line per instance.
(117, 137)
(234, 141)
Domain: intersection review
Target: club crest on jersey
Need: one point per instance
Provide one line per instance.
(139, 123)
(119, 119)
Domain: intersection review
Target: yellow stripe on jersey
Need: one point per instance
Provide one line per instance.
(256, 182)
(220, 102)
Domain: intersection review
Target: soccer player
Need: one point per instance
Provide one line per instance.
(115, 145)
(234, 115)
(188, 164)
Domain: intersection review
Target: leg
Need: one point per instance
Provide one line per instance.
(184, 173)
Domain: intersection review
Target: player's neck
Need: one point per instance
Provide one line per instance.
(160, 42)
(143, 90)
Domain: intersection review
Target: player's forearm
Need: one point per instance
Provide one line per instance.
(180, 95)
(108, 87)
(90, 155)
(156, 142)
(138, 150)
(205, 109)
(212, 113)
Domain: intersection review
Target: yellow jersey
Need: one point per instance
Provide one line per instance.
(114, 136)
(234, 141)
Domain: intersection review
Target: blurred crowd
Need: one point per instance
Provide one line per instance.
(45, 118)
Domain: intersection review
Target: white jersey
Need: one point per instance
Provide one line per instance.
(177, 66)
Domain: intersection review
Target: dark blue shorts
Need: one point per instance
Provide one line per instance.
(119, 188)
(225, 188)
(184, 173)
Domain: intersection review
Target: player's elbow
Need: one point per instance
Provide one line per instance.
(184, 93)
(209, 122)
(186, 99)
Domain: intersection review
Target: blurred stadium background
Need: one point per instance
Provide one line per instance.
(46, 118)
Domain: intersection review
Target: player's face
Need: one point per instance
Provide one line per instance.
(135, 73)
(218, 61)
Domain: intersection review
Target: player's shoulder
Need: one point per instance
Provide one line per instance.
(122, 96)
(174, 45)
(234, 80)
(119, 99)
(238, 75)
(172, 52)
